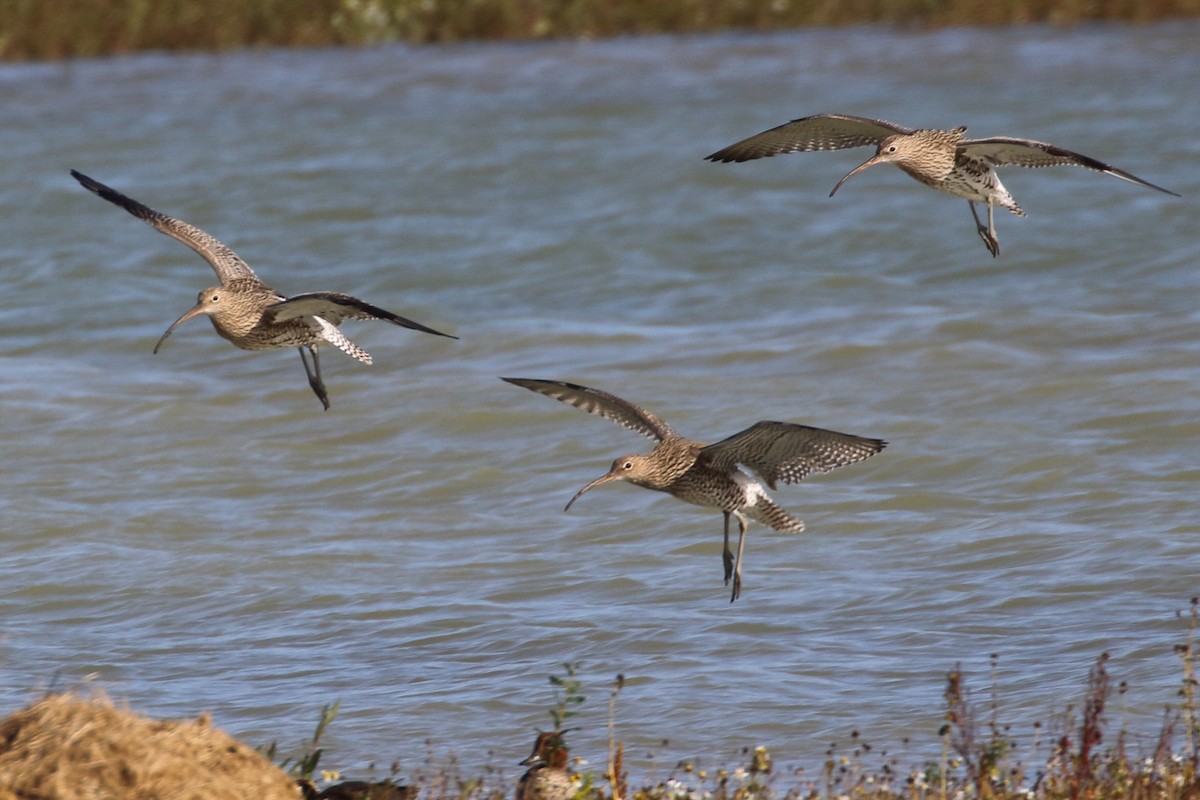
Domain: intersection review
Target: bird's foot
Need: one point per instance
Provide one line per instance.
(727, 558)
(737, 587)
(318, 387)
(989, 241)
(314, 373)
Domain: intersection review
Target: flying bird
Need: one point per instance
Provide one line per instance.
(716, 475)
(251, 314)
(940, 159)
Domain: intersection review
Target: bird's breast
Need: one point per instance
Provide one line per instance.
(728, 491)
(971, 179)
(252, 331)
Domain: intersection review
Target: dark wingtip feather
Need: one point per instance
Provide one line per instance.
(538, 384)
(90, 184)
(728, 156)
(113, 196)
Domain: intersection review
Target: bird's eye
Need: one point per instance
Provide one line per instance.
(216, 297)
(627, 465)
(891, 148)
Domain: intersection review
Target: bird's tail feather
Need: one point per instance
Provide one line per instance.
(766, 512)
(331, 334)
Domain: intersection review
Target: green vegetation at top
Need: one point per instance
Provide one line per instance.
(50, 29)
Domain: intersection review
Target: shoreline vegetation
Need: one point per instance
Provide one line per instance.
(1077, 755)
(58, 29)
(64, 746)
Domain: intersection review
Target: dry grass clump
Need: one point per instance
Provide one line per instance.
(65, 747)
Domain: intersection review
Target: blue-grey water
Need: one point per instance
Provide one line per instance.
(189, 531)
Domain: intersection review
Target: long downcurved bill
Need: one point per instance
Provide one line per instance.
(611, 476)
(196, 311)
(870, 162)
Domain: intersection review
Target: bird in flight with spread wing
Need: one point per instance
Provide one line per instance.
(719, 475)
(943, 160)
(251, 314)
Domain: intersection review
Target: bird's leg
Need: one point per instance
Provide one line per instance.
(727, 554)
(314, 374)
(737, 572)
(993, 242)
(988, 234)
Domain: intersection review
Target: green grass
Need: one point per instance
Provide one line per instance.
(52, 29)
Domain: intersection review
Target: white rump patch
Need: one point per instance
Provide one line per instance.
(752, 490)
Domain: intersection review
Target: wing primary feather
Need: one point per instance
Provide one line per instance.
(227, 264)
(818, 132)
(1007, 151)
(600, 403)
(788, 452)
(335, 307)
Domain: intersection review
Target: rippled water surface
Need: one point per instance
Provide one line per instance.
(192, 532)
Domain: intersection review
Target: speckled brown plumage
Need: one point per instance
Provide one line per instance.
(547, 777)
(712, 475)
(940, 159)
(252, 315)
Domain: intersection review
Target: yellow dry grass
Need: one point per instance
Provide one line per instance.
(67, 747)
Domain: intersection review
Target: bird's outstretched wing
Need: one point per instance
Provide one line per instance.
(602, 404)
(1005, 151)
(226, 263)
(334, 307)
(819, 132)
(783, 451)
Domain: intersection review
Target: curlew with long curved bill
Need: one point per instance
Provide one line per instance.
(251, 314)
(943, 160)
(713, 475)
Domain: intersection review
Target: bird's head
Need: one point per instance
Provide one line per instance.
(549, 750)
(635, 468)
(208, 302)
(893, 149)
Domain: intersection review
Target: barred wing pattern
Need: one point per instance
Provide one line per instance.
(600, 403)
(335, 307)
(227, 264)
(784, 451)
(818, 132)
(1005, 151)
